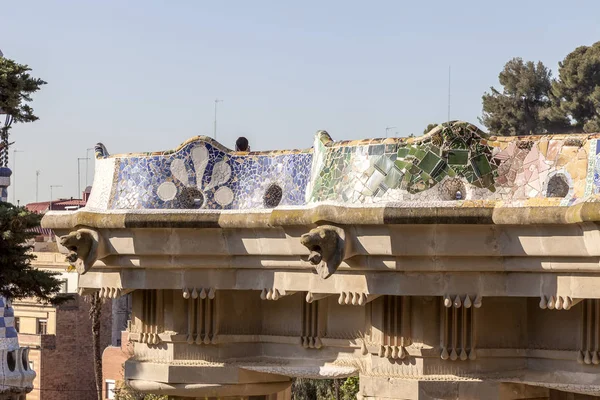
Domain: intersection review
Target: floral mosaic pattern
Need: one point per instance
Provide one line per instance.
(455, 161)
(203, 174)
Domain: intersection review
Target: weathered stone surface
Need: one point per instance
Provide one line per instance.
(494, 295)
(84, 246)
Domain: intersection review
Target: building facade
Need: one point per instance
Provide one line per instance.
(59, 338)
(456, 265)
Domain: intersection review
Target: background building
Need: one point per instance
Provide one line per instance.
(60, 337)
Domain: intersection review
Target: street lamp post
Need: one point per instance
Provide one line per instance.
(87, 158)
(79, 159)
(37, 184)
(14, 172)
(5, 172)
(51, 198)
(388, 128)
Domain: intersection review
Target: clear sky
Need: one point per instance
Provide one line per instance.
(143, 75)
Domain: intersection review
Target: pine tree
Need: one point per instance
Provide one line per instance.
(521, 107)
(576, 93)
(18, 279)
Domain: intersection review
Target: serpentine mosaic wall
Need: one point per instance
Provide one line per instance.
(8, 333)
(203, 174)
(455, 161)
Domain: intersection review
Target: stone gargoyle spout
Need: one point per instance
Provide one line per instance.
(327, 248)
(83, 246)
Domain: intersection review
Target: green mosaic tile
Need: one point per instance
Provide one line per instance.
(401, 164)
(429, 162)
(481, 165)
(420, 153)
(457, 157)
(403, 152)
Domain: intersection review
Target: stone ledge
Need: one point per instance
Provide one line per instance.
(486, 213)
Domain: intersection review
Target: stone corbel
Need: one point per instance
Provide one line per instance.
(355, 298)
(274, 294)
(328, 248)
(553, 302)
(84, 248)
(310, 296)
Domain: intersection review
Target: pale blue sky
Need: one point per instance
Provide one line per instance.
(143, 75)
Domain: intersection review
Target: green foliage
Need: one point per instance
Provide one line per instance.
(16, 88)
(18, 279)
(324, 389)
(576, 93)
(124, 392)
(429, 128)
(521, 108)
(349, 388)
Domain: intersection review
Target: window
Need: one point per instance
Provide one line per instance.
(17, 324)
(110, 389)
(63, 286)
(42, 326)
(11, 360)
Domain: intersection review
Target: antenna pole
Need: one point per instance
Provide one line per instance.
(217, 101)
(37, 184)
(449, 81)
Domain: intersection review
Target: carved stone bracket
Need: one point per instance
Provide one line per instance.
(149, 312)
(327, 245)
(203, 320)
(355, 299)
(108, 292)
(310, 296)
(274, 294)
(200, 292)
(458, 328)
(465, 301)
(589, 348)
(312, 325)
(396, 327)
(84, 248)
(557, 302)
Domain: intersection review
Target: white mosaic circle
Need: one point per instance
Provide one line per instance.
(223, 196)
(167, 191)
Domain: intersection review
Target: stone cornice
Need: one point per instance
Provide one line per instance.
(486, 213)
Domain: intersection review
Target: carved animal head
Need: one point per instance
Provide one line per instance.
(72, 240)
(326, 246)
(83, 248)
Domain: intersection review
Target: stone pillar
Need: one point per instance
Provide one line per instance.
(372, 388)
(121, 312)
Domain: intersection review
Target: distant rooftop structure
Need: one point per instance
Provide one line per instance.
(56, 205)
(43, 207)
(60, 204)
